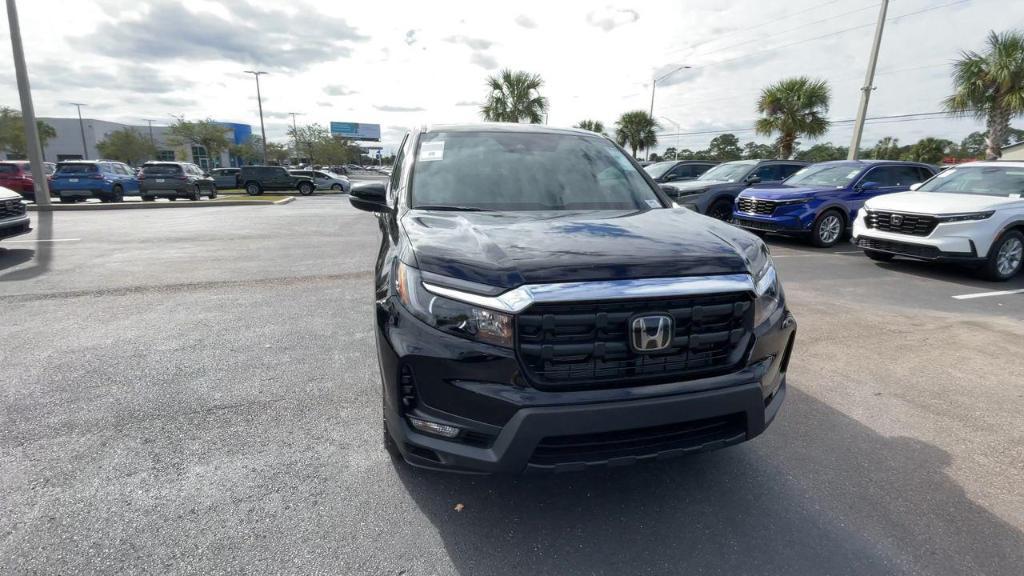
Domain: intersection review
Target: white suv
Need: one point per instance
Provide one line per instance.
(972, 213)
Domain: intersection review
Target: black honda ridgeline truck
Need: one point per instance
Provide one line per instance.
(542, 305)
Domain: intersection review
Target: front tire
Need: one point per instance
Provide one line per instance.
(197, 194)
(253, 189)
(305, 189)
(148, 198)
(337, 188)
(721, 210)
(213, 192)
(1005, 257)
(827, 229)
(879, 256)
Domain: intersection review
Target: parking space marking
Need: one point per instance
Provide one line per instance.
(987, 294)
(774, 255)
(50, 240)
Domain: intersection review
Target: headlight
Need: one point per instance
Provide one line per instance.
(767, 290)
(966, 216)
(791, 202)
(456, 318)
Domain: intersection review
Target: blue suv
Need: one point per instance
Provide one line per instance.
(821, 201)
(107, 180)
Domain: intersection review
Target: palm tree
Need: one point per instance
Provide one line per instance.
(887, 148)
(515, 97)
(792, 108)
(990, 86)
(592, 125)
(637, 130)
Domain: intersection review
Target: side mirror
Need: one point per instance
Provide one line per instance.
(369, 196)
(753, 179)
(866, 186)
(915, 186)
(670, 191)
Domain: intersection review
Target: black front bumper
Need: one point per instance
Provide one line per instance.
(509, 427)
(916, 251)
(15, 227)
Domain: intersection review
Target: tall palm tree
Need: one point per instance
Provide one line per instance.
(515, 97)
(637, 130)
(990, 86)
(592, 125)
(887, 148)
(792, 108)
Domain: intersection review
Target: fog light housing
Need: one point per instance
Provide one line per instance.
(443, 430)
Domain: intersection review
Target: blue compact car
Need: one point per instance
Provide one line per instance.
(821, 201)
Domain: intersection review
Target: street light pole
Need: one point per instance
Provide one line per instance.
(654, 84)
(295, 132)
(678, 129)
(152, 141)
(81, 126)
(869, 78)
(40, 186)
(259, 101)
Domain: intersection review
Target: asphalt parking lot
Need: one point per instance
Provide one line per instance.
(195, 391)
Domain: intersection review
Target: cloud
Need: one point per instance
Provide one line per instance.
(272, 114)
(128, 78)
(323, 104)
(473, 43)
(338, 90)
(525, 21)
(469, 103)
(683, 76)
(386, 108)
(485, 61)
(609, 18)
(271, 39)
(410, 37)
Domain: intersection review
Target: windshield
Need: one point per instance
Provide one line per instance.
(526, 171)
(981, 180)
(77, 169)
(658, 170)
(835, 175)
(730, 172)
(161, 170)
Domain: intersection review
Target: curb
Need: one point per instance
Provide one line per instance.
(152, 205)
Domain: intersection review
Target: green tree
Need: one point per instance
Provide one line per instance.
(887, 148)
(127, 145)
(975, 144)
(250, 151)
(990, 86)
(276, 153)
(316, 143)
(930, 150)
(725, 147)
(592, 125)
(822, 153)
(12, 133)
(755, 151)
(670, 153)
(792, 108)
(685, 154)
(636, 130)
(514, 97)
(207, 134)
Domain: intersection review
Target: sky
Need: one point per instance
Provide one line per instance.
(404, 63)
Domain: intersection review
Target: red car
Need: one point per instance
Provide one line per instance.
(17, 175)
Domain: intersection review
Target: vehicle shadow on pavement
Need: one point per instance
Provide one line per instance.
(43, 253)
(10, 258)
(818, 493)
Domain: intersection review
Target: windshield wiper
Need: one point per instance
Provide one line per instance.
(451, 208)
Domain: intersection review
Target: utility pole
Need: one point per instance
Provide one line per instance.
(259, 101)
(152, 140)
(81, 126)
(28, 113)
(869, 79)
(654, 84)
(295, 131)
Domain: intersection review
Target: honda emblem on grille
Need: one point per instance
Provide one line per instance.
(651, 333)
(897, 219)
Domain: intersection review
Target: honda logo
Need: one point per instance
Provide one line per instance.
(651, 333)
(897, 219)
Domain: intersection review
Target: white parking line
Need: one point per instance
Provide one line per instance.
(987, 294)
(51, 240)
(774, 255)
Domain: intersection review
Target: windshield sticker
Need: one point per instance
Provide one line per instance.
(800, 171)
(653, 203)
(430, 151)
(946, 174)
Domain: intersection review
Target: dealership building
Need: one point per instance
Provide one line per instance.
(76, 140)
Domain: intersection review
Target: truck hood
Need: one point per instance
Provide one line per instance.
(940, 203)
(783, 192)
(508, 249)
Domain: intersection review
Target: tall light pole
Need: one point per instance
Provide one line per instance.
(259, 101)
(152, 141)
(654, 84)
(28, 113)
(678, 129)
(869, 78)
(81, 126)
(295, 131)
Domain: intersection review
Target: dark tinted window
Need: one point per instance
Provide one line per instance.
(161, 170)
(768, 172)
(923, 173)
(301, 172)
(526, 171)
(787, 170)
(681, 171)
(8, 169)
(699, 169)
(887, 176)
(77, 168)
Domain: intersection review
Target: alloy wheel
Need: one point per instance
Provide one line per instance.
(1008, 259)
(830, 229)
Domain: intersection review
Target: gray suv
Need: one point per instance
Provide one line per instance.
(258, 179)
(714, 192)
